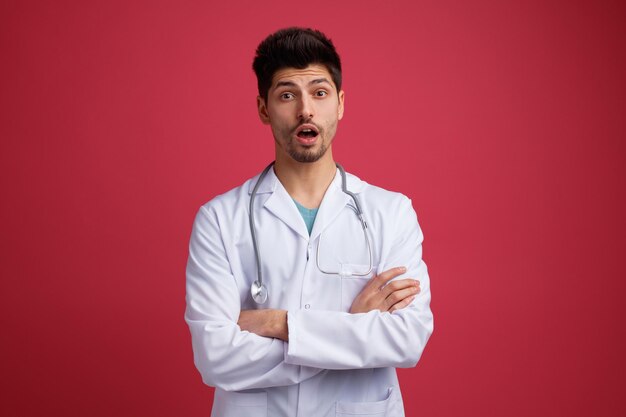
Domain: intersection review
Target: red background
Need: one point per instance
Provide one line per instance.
(503, 121)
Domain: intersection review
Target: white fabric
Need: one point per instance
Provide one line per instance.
(335, 363)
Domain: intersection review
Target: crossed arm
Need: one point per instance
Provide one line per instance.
(378, 294)
(237, 350)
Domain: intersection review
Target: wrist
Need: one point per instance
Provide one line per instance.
(279, 325)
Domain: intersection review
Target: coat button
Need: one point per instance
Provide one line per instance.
(307, 306)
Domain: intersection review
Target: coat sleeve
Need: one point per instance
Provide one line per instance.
(338, 340)
(226, 356)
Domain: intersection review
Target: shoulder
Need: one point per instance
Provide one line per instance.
(231, 199)
(375, 196)
(226, 207)
(386, 211)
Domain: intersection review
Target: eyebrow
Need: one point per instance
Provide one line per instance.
(292, 84)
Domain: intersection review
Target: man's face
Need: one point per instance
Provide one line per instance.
(303, 108)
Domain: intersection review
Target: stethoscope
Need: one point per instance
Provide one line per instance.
(258, 289)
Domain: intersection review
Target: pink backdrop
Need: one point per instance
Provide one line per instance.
(503, 121)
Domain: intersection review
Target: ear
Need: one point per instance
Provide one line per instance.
(262, 108)
(340, 97)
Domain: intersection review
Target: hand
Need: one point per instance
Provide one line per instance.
(378, 295)
(266, 323)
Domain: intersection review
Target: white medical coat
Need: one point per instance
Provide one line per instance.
(335, 363)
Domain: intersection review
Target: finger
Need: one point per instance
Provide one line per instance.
(384, 277)
(399, 285)
(402, 304)
(397, 296)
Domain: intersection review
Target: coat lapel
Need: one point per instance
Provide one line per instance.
(334, 201)
(281, 205)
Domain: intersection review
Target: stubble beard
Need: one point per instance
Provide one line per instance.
(309, 155)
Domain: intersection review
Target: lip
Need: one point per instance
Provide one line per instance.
(306, 141)
(307, 126)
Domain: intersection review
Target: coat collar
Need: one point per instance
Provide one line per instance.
(271, 182)
(282, 206)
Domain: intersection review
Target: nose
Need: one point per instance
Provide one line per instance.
(305, 110)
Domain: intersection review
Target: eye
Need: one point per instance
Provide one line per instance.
(286, 96)
(321, 93)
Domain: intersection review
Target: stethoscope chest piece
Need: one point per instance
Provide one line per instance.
(259, 292)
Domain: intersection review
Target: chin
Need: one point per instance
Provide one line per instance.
(307, 157)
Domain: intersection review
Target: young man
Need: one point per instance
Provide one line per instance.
(314, 321)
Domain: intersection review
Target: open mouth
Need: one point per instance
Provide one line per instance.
(307, 132)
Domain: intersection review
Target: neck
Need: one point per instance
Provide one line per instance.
(306, 182)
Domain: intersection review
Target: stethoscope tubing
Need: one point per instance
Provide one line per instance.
(257, 294)
(258, 289)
